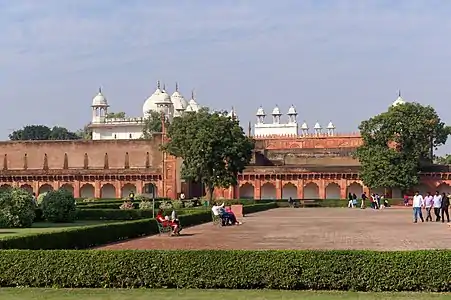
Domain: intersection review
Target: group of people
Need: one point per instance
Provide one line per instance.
(377, 201)
(172, 222)
(439, 204)
(225, 214)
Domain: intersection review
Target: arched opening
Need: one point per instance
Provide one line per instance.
(355, 188)
(268, 191)
(444, 188)
(127, 189)
(289, 190)
(68, 187)
(311, 191)
(4, 187)
(150, 190)
(333, 191)
(247, 191)
(45, 188)
(27, 188)
(87, 191)
(108, 191)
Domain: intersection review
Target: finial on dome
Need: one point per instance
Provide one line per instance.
(100, 90)
(158, 84)
(399, 93)
(164, 86)
(192, 94)
(176, 86)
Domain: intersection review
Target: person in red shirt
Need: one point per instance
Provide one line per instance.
(174, 224)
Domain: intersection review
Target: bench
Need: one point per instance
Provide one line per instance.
(309, 203)
(164, 229)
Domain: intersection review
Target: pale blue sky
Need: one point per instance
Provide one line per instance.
(334, 60)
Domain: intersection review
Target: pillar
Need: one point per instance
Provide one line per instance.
(300, 189)
(343, 189)
(257, 189)
(77, 189)
(97, 188)
(118, 188)
(321, 189)
(278, 189)
(139, 187)
(236, 192)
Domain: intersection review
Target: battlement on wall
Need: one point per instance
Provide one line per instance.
(310, 141)
(81, 154)
(307, 135)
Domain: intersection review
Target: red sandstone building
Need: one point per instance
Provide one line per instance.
(306, 167)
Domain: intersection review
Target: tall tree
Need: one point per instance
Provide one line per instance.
(42, 132)
(396, 143)
(213, 147)
(153, 124)
(84, 133)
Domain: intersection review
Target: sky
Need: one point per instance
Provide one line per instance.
(340, 61)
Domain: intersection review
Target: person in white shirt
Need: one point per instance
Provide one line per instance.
(437, 205)
(417, 204)
(428, 200)
(216, 209)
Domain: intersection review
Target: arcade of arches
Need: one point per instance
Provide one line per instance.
(314, 189)
(106, 190)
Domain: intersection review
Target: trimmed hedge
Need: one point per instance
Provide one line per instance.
(125, 214)
(95, 235)
(209, 269)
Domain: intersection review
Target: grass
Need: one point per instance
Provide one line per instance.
(141, 294)
(41, 227)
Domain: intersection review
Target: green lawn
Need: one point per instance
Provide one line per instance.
(141, 294)
(46, 227)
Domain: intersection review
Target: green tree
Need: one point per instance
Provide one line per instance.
(153, 124)
(443, 160)
(213, 147)
(84, 133)
(397, 143)
(113, 115)
(42, 132)
(16, 208)
(59, 206)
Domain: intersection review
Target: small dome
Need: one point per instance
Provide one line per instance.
(195, 107)
(330, 125)
(164, 98)
(189, 109)
(260, 112)
(276, 111)
(150, 103)
(304, 126)
(99, 99)
(317, 126)
(232, 114)
(292, 110)
(399, 100)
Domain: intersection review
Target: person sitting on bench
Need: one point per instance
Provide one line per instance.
(226, 217)
(165, 222)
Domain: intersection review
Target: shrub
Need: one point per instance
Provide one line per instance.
(142, 198)
(177, 204)
(127, 205)
(189, 203)
(146, 205)
(89, 200)
(165, 205)
(59, 206)
(16, 208)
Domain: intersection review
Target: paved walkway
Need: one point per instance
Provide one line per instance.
(308, 228)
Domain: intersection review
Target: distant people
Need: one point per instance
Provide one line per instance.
(428, 201)
(350, 202)
(378, 201)
(34, 199)
(165, 222)
(437, 204)
(291, 202)
(385, 201)
(227, 217)
(406, 200)
(354, 199)
(131, 196)
(182, 196)
(364, 197)
(445, 208)
(417, 204)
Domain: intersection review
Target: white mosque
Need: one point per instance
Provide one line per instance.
(105, 128)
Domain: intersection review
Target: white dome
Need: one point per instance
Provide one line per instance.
(317, 126)
(163, 99)
(260, 112)
(398, 100)
(304, 126)
(276, 111)
(179, 102)
(99, 99)
(330, 125)
(189, 109)
(150, 103)
(292, 110)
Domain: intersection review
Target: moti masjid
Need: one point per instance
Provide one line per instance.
(290, 159)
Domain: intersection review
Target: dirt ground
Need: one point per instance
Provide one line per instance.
(308, 228)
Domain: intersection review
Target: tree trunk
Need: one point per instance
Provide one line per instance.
(209, 189)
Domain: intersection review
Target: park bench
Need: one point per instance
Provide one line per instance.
(310, 203)
(164, 229)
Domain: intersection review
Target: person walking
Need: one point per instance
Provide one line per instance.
(444, 208)
(362, 204)
(417, 204)
(428, 200)
(437, 203)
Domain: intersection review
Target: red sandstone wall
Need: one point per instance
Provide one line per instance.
(35, 151)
